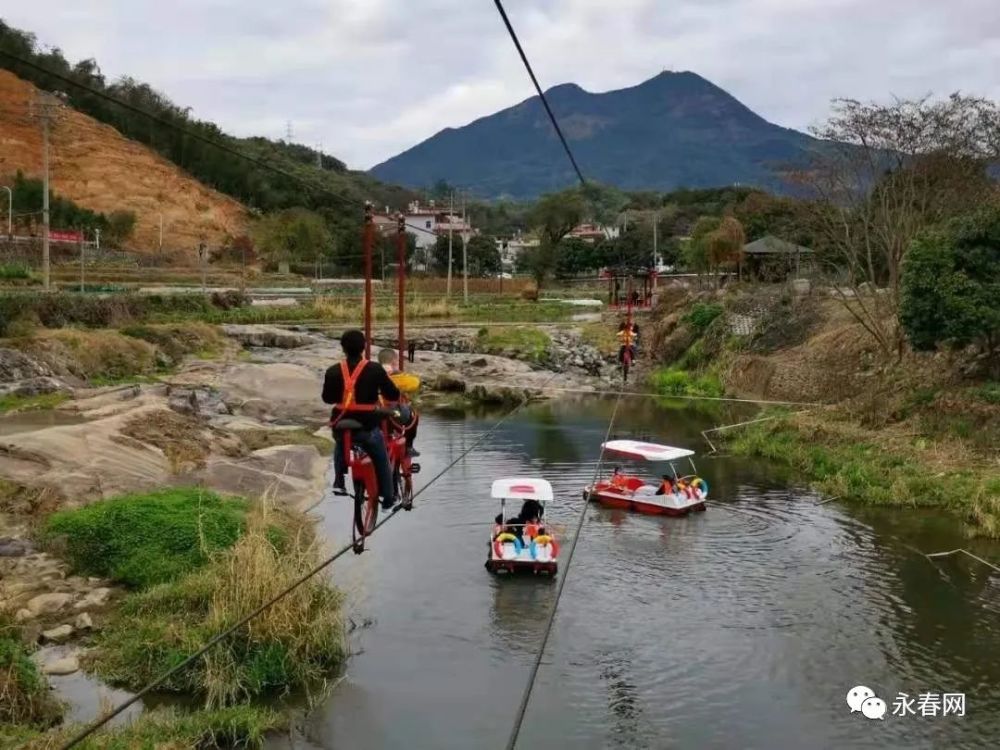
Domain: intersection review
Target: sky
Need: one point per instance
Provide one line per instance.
(370, 78)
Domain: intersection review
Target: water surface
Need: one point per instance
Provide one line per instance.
(742, 627)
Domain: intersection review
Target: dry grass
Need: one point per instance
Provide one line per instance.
(186, 441)
(91, 353)
(293, 645)
(255, 440)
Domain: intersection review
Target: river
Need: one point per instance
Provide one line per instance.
(741, 627)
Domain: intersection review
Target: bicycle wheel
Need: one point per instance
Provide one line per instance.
(404, 489)
(365, 513)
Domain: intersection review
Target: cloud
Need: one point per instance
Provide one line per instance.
(369, 79)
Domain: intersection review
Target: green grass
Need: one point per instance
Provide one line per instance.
(527, 341)
(238, 726)
(11, 271)
(702, 315)
(24, 693)
(867, 472)
(670, 381)
(32, 403)
(291, 645)
(180, 339)
(988, 392)
(145, 539)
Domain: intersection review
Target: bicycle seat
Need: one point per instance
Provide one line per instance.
(347, 424)
(385, 413)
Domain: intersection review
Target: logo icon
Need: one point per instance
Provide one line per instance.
(873, 708)
(857, 696)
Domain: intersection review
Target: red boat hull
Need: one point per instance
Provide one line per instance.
(521, 566)
(610, 499)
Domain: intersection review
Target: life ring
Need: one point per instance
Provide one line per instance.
(501, 540)
(544, 540)
(700, 485)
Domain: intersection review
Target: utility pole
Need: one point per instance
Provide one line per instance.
(201, 258)
(159, 248)
(451, 210)
(656, 256)
(465, 255)
(82, 259)
(45, 105)
(97, 232)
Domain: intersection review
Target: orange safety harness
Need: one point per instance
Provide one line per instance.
(627, 335)
(347, 398)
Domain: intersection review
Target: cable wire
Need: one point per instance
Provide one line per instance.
(195, 135)
(541, 94)
(90, 729)
(525, 699)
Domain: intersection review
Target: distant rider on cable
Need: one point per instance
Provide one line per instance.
(627, 335)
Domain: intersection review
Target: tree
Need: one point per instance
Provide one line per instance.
(574, 257)
(439, 254)
(951, 287)
(121, 225)
(295, 234)
(695, 252)
(555, 215)
(483, 256)
(725, 245)
(882, 175)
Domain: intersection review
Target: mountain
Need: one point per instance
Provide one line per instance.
(676, 130)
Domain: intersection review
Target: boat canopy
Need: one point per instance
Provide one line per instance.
(524, 488)
(646, 451)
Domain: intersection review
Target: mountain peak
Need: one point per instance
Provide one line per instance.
(676, 129)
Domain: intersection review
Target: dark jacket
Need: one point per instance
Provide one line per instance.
(372, 382)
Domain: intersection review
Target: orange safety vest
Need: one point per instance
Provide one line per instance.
(350, 380)
(627, 336)
(667, 487)
(531, 530)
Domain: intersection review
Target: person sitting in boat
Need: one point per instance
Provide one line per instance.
(666, 485)
(618, 480)
(409, 418)
(528, 519)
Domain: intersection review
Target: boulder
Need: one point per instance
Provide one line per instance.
(34, 387)
(197, 401)
(57, 635)
(62, 666)
(267, 336)
(23, 615)
(448, 384)
(46, 604)
(97, 598)
(16, 365)
(14, 547)
(83, 622)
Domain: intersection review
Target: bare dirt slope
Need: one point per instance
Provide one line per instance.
(95, 166)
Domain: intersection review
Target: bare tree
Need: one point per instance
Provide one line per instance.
(881, 174)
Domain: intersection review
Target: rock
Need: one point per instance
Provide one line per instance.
(16, 365)
(23, 615)
(34, 387)
(267, 336)
(14, 547)
(57, 635)
(448, 384)
(481, 362)
(62, 666)
(45, 604)
(197, 401)
(98, 597)
(83, 622)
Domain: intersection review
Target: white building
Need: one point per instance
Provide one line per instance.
(513, 248)
(426, 223)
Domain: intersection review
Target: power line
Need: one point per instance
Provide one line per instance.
(541, 94)
(523, 707)
(89, 730)
(193, 134)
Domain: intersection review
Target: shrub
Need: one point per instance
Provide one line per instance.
(145, 539)
(92, 354)
(178, 339)
(12, 271)
(702, 315)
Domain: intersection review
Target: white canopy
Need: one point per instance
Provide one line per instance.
(646, 451)
(524, 488)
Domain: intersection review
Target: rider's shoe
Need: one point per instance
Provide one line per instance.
(388, 503)
(339, 488)
(412, 452)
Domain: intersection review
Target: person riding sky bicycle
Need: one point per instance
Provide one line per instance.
(628, 337)
(356, 381)
(389, 359)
